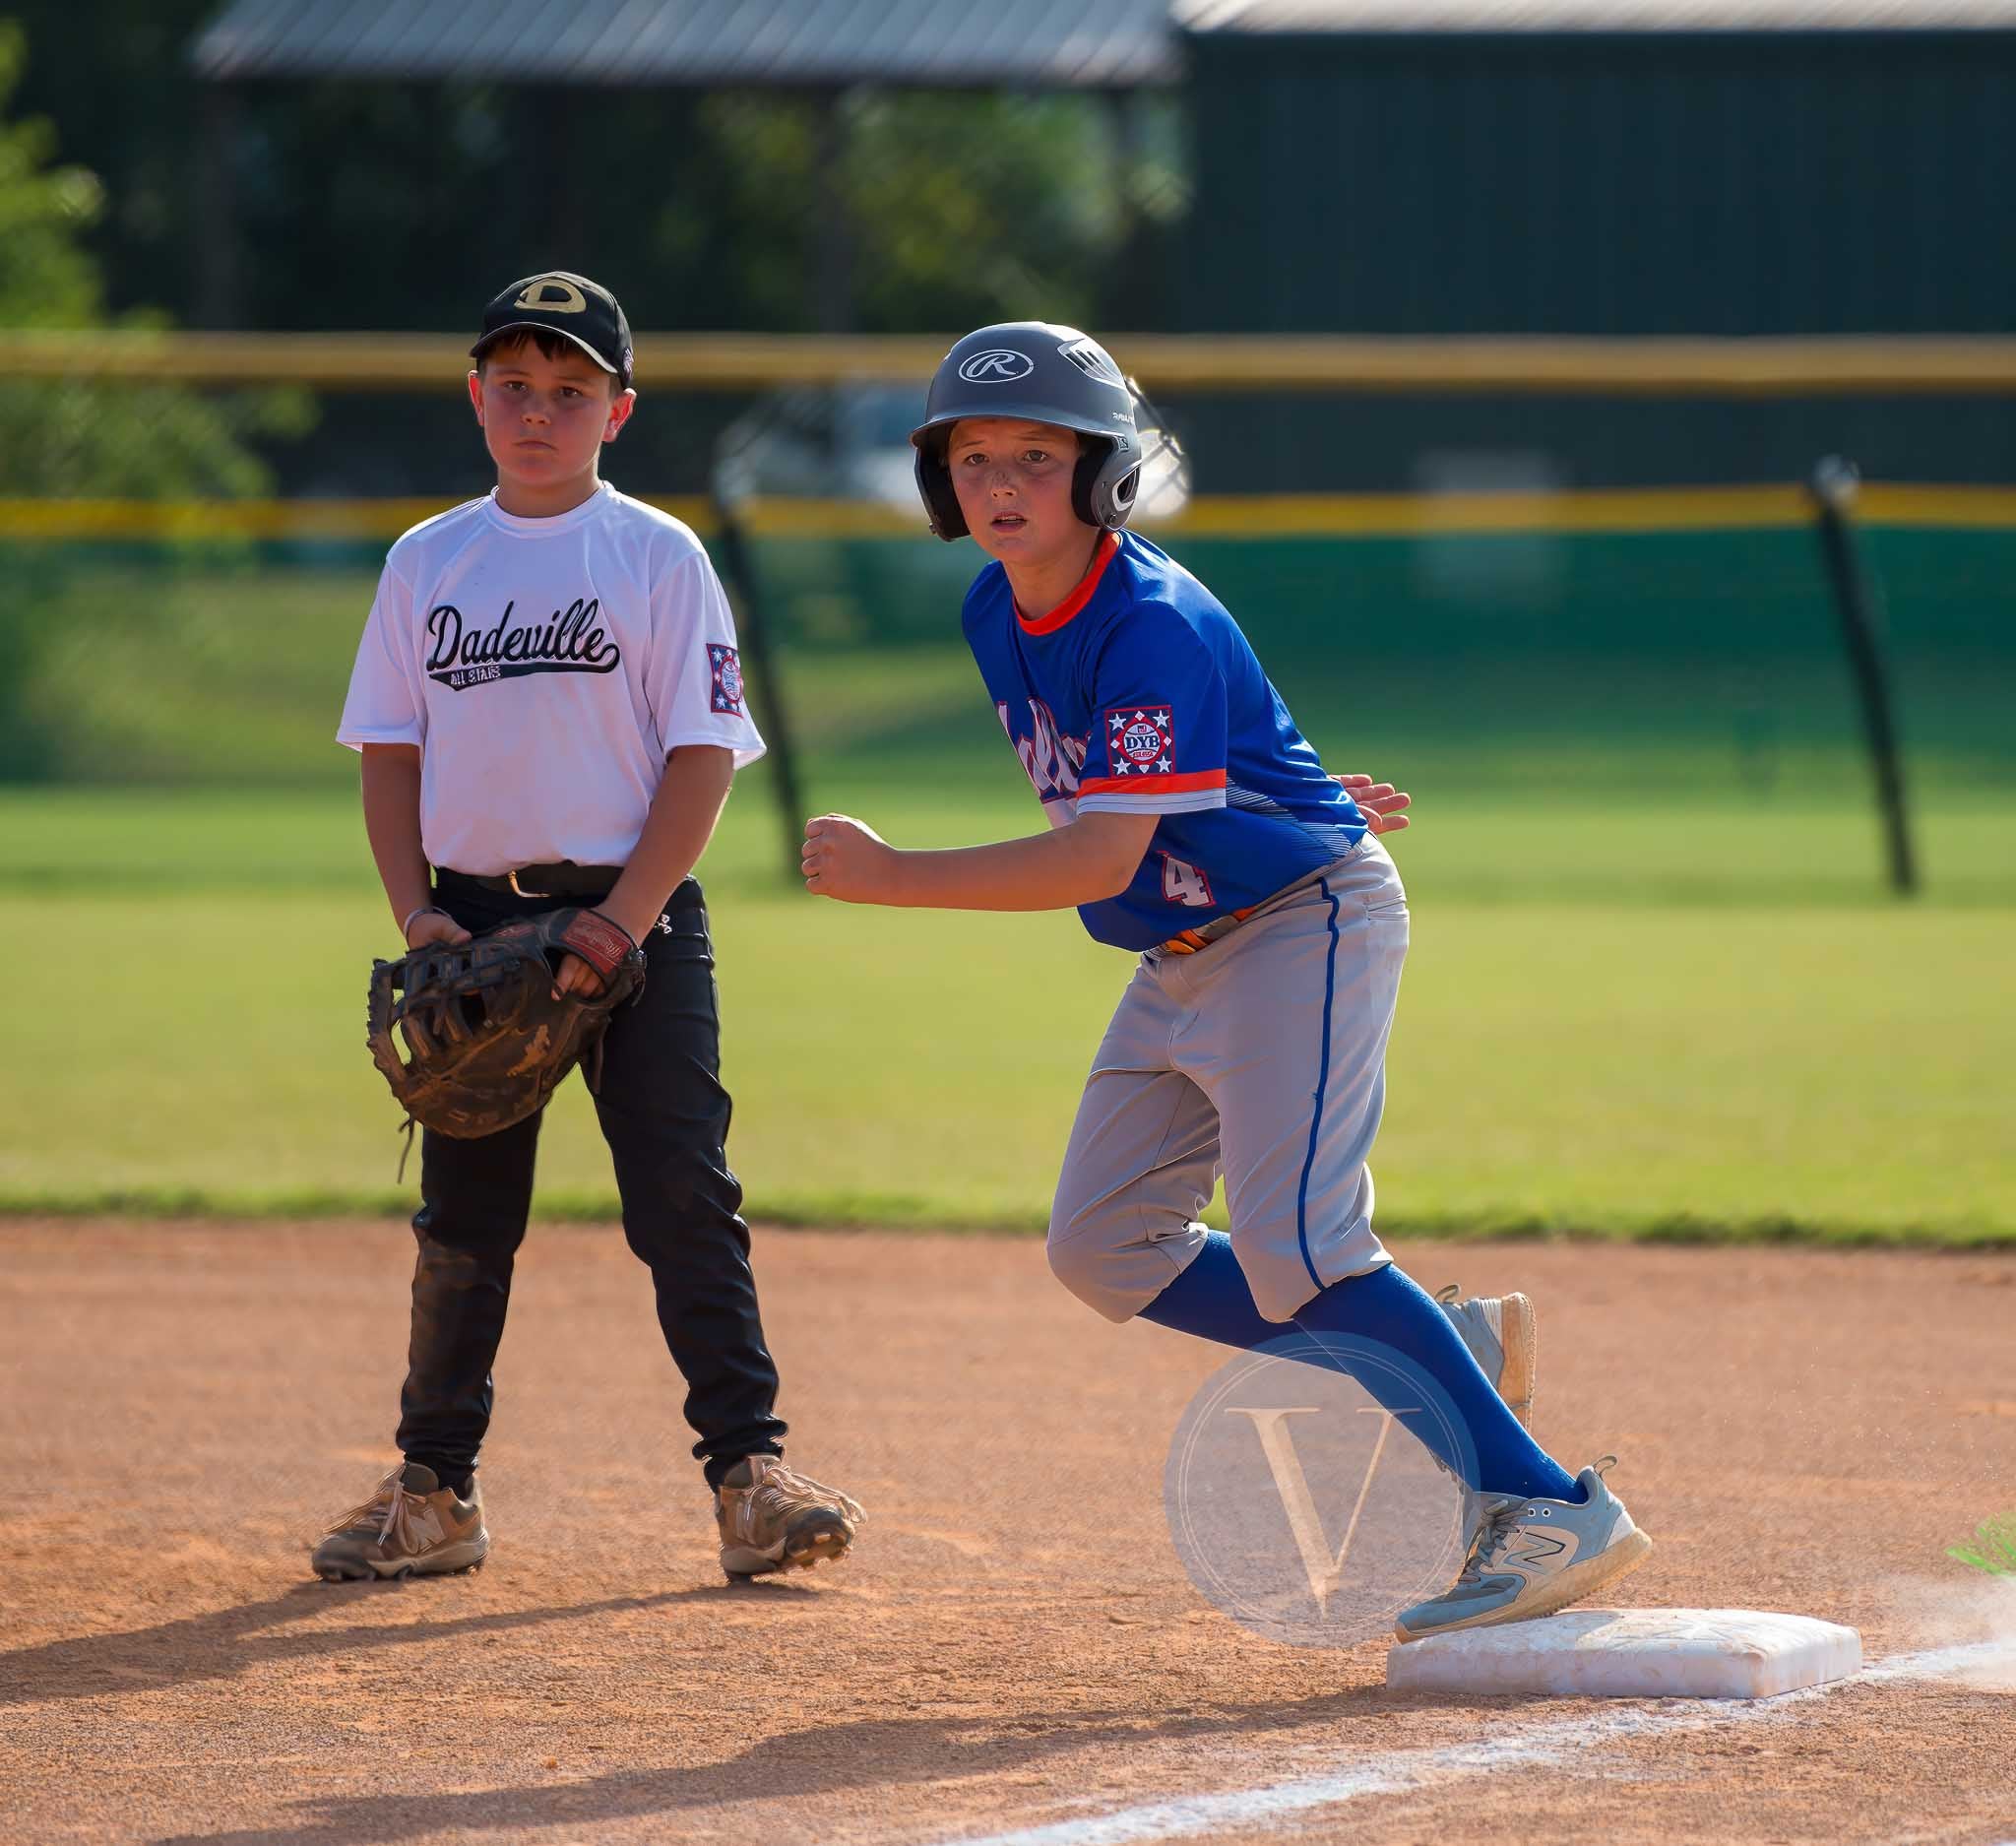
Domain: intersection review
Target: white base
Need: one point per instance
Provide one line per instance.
(1632, 1653)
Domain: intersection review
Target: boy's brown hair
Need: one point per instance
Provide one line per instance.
(553, 347)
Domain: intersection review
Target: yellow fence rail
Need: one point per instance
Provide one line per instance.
(1205, 362)
(1366, 515)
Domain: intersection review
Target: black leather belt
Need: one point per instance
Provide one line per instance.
(566, 879)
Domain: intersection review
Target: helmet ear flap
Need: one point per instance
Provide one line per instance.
(1105, 481)
(1093, 456)
(934, 485)
(1121, 495)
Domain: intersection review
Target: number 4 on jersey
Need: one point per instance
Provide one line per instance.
(1184, 883)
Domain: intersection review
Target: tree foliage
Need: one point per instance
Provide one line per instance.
(74, 437)
(395, 203)
(46, 278)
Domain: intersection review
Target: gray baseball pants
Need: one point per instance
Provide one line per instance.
(1261, 1056)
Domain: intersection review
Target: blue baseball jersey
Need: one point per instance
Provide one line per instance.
(1139, 695)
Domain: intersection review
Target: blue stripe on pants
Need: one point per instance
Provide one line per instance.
(1322, 1083)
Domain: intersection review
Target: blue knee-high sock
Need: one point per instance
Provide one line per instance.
(1392, 1309)
(1210, 1300)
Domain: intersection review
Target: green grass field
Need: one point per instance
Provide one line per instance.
(1655, 989)
(1665, 1058)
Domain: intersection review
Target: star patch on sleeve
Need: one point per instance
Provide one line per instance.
(1141, 740)
(726, 692)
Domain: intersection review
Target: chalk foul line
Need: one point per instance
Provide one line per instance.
(1410, 1771)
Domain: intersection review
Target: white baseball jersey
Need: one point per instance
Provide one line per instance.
(545, 668)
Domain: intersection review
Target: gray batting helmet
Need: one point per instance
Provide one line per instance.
(1049, 375)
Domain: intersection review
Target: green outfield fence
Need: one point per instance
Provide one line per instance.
(1645, 641)
(1495, 623)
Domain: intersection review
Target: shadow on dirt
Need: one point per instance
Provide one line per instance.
(227, 1641)
(818, 1760)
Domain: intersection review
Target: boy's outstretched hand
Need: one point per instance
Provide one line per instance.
(847, 859)
(1379, 801)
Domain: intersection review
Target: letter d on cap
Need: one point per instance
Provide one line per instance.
(550, 295)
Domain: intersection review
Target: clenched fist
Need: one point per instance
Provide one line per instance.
(847, 859)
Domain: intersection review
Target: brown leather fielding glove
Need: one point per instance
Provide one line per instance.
(474, 1038)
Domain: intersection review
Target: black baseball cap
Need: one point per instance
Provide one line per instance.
(563, 303)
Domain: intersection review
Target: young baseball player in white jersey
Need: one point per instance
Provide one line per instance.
(1191, 822)
(550, 704)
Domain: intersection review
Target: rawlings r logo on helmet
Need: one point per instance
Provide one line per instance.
(999, 365)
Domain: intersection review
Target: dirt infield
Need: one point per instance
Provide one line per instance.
(1014, 1648)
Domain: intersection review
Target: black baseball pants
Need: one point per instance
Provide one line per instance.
(666, 1117)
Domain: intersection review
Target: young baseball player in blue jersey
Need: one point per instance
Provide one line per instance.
(1192, 823)
(549, 706)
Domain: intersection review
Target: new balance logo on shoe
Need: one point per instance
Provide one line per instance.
(1535, 1548)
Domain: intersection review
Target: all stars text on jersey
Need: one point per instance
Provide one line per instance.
(570, 641)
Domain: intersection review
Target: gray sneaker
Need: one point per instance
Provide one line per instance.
(1500, 1334)
(412, 1526)
(1533, 1556)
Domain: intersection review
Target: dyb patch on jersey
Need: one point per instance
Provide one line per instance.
(1141, 740)
(726, 692)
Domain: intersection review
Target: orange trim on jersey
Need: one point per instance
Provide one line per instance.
(1153, 783)
(1101, 556)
